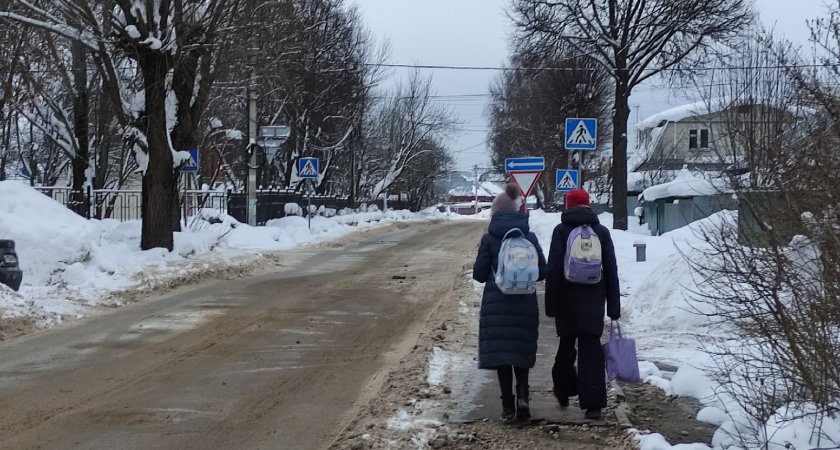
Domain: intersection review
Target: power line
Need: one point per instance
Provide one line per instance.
(827, 65)
(832, 65)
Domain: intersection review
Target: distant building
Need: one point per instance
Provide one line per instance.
(686, 155)
(703, 136)
(459, 189)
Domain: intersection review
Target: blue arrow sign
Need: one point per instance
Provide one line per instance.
(567, 180)
(581, 134)
(192, 164)
(527, 164)
(308, 168)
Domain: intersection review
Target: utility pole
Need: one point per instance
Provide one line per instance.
(475, 185)
(252, 161)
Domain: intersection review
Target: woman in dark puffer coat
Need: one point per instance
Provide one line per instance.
(508, 329)
(578, 311)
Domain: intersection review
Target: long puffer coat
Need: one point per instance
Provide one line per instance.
(509, 324)
(578, 309)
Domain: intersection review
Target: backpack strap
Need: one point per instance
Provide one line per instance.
(511, 231)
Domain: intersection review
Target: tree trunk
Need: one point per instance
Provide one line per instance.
(78, 200)
(159, 177)
(621, 115)
(184, 135)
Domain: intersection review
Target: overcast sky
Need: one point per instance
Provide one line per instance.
(475, 33)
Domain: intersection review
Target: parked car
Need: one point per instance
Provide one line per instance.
(10, 273)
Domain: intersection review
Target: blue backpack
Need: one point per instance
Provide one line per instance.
(518, 265)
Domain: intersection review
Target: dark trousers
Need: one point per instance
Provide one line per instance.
(589, 380)
(506, 374)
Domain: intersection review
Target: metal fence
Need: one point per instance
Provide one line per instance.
(126, 204)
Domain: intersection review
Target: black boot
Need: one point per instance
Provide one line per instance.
(523, 410)
(508, 409)
(593, 413)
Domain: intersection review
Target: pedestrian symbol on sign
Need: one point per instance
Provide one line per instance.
(308, 168)
(567, 182)
(581, 136)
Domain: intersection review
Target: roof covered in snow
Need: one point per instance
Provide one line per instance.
(678, 113)
(686, 184)
(485, 189)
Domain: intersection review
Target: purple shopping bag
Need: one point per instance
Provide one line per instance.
(620, 354)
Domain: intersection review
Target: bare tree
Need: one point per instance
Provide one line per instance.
(417, 182)
(633, 40)
(404, 121)
(171, 44)
(773, 276)
(529, 108)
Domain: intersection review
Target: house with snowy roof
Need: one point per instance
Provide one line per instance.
(707, 136)
(686, 155)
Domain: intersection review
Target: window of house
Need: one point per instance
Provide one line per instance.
(698, 139)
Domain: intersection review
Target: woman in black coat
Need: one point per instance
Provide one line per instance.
(508, 327)
(578, 311)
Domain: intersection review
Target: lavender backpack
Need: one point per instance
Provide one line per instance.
(620, 354)
(582, 264)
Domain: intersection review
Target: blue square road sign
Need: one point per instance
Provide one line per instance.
(567, 180)
(581, 134)
(308, 168)
(192, 165)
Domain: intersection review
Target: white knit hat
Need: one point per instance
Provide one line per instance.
(508, 201)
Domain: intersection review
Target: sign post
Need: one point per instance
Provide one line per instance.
(190, 167)
(308, 169)
(581, 135)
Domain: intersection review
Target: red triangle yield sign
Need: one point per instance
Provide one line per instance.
(525, 180)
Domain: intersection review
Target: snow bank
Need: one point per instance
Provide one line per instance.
(71, 265)
(43, 231)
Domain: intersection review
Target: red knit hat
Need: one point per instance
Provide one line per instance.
(577, 197)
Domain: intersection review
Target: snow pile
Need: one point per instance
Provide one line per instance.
(71, 265)
(43, 230)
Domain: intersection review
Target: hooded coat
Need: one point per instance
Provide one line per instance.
(578, 309)
(509, 324)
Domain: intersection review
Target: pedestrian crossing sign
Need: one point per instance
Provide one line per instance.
(581, 134)
(308, 168)
(567, 180)
(191, 165)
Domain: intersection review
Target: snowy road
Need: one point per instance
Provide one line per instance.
(282, 360)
